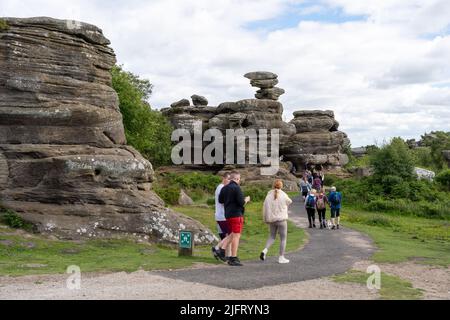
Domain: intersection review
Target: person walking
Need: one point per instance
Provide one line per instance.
(335, 200)
(275, 214)
(310, 205)
(317, 183)
(321, 206)
(305, 187)
(222, 224)
(232, 198)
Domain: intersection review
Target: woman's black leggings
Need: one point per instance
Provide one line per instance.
(311, 215)
(321, 213)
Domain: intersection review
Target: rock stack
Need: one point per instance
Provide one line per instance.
(317, 140)
(311, 138)
(266, 82)
(64, 164)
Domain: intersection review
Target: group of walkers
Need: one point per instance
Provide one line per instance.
(230, 210)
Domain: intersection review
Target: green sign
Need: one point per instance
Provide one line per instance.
(186, 239)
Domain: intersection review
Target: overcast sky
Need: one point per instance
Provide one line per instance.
(383, 66)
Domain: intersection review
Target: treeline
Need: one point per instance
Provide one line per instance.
(394, 186)
(146, 130)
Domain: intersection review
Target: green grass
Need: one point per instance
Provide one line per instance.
(401, 238)
(392, 287)
(90, 256)
(55, 256)
(255, 232)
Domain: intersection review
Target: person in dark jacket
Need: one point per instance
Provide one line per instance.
(234, 202)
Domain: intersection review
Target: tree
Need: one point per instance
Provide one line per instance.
(146, 130)
(393, 160)
(437, 141)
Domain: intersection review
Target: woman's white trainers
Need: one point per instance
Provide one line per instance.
(283, 260)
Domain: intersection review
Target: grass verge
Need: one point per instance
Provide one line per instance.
(392, 287)
(22, 253)
(401, 238)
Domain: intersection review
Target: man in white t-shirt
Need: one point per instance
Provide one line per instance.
(222, 224)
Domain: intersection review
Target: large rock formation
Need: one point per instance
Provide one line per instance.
(64, 165)
(311, 138)
(317, 140)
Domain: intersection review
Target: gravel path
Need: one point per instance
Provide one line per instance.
(327, 253)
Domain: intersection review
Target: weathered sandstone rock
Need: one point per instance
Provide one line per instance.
(64, 165)
(199, 100)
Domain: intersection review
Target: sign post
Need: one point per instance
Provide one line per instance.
(186, 244)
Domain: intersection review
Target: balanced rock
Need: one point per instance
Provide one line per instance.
(199, 100)
(264, 84)
(181, 103)
(261, 75)
(272, 93)
(64, 164)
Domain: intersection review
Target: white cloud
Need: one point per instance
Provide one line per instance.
(385, 75)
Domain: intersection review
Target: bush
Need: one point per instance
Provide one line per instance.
(405, 207)
(256, 193)
(3, 25)
(146, 130)
(170, 195)
(12, 219)
(329, 180)
(195, 180)
(196, 185)
(437, 141)
(443, 179)
(393, 159)
(211, 201)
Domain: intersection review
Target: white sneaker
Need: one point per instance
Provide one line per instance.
(283, 260)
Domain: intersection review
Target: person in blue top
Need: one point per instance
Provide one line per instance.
(335, 200)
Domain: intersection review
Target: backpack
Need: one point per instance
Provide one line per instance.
(321, 203)
(335, 199)
(311, 202)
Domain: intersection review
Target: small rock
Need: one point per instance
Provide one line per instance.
(199, 100)
(261, 75)
(184, 199)
(181, 103)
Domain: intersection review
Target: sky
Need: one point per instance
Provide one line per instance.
(382, 66)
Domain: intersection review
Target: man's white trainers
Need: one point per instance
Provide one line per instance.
(283, 260)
